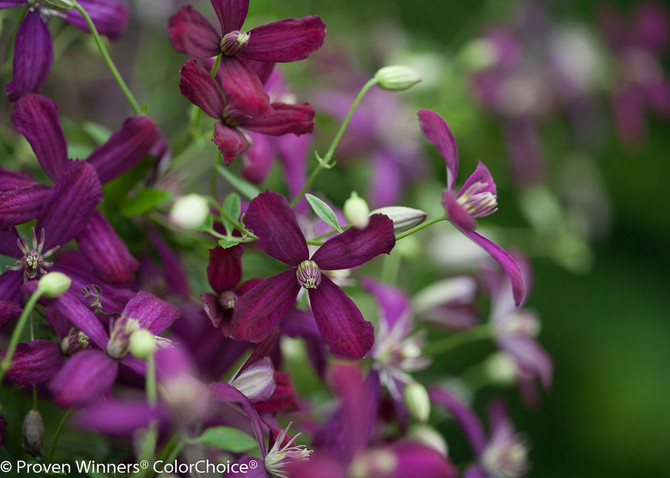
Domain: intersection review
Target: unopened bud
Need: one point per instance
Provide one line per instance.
(478, 55)
(33, 432)
(501, 368)
(189, 212)
(356, 211)
(404, 218)
(142, 343)
(417, 401)
(58, 5)
(54, 284)
(427, 435)
(396, 77)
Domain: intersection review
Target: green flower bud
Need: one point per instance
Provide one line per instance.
(396, 77)
(427, 435)
(501, 368)
(54, 284)
(142, 343)
(33, 432)
(417, 401)
(404, 218)
(356, 211)
(58, 5)
(189, 212)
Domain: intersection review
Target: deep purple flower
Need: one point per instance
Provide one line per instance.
(238, 107)
(33, 49)
(340, 322)
(476, 198)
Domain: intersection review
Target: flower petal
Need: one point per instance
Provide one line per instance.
(438, 133)
(283, 119)
(284, 398)
(36, 117)
(258, 311)
(191, 33)
(342, 326)
(33, 55)
(154, 314)
(10, 286)
(231, 13)
(201, 89)
(10, 180)
(34, 362)
(256, 382)
(225, 268)
(70, 203)
(456, 213)
(84, 377)
(118, 419)
(258, 159)
(291, 39)
(271, 219)
(8, 311)
(465, 417)
(356, 246)
(22, 204)
(231, 142)
(243, 90)
(394, 305)
(125, 148)
(109, 255)
(110, 17)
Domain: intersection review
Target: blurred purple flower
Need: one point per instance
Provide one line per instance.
(340, 322)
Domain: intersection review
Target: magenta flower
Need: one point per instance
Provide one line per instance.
(33, 50)
(240, 105)
(340, 322)
(476, 198)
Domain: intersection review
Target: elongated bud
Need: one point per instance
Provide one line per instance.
(54, 284)
(33, 432)
(396, 77)
(417, 401)
(356, 211)
(189, 212)
(142, 343)
(58, 5)
(404, 218)
(428, 436)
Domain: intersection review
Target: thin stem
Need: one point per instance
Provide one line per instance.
(151, 380)
(58, 432)
(325, 161)
(479, 332)
(16, 335)
(419, 227)
(108, 59)
(390, 268)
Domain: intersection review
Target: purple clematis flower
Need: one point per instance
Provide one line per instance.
(33, 50)
(237, 107)
(476, 198)
(340, 322)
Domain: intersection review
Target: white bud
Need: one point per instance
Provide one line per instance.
(142, 343)
(33, 432)
(501, 368)
(417, 401)
(58, 5)
(404, 218)
(54, 284)
(396, 77)
(356, 211)
(428, 436)
(189, 212)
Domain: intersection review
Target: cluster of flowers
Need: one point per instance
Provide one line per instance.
(99, 312)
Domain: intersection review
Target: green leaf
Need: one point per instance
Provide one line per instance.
(226, 243)
(246, 188)
(144, 201)
(226, 438)
(324, 211)
(231, 207)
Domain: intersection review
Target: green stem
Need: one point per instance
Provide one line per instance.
(325, 161)
(459, 339)
(151, 381)
(58, 432)
(390, 268)
(419, 227)
(108, 59)
(18, 330)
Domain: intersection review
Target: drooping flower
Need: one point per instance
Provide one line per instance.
(340, 322)
(33, 49)
(476, 198)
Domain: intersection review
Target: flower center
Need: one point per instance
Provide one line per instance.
(234, 42)
(478, 200)
(119, 336)
(73, 342)
(309, 275)
(227, 300)
(32, 260)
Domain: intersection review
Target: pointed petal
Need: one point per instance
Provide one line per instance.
(257, 381)
(33, 55)
(154, 314)
(8, 311)
(8, 243)
(258, 159)
(191, 33)
(456, 213)
(342, 326)
(505, 260)
(243, 89)
(357, 246)
(125, 148)
(109, 256)
(231, 13)
(395, 308)
(10, 286)
(291, 39)
(465, 417)
(22, 205)
(283, 119)
(284, 398)
(70, 203)
(225, 268)
(118, 419)
(36, 117)
(258, 311)
(85, 376)
(438, 133)
(10, 180)
(201, 89)
(177, 279)
(110, 17)
(294, 154)
(271, 219)
(231, 142)
(34, 362)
